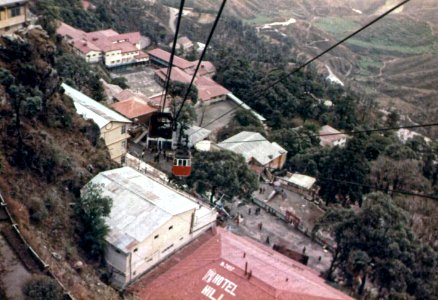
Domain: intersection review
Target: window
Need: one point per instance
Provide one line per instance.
(156, 237)
(123, 145)
(171, 227)
(123, 159)
(136, 249)
(117, 250)
(14, 11)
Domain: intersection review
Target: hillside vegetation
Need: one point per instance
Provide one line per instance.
(46, 155)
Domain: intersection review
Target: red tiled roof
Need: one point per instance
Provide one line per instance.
(209, 89)
(165, 56)
(142, 55)
(176, 75)
(133, 108)
(205, 68)
(103, 40)
(328, 140)
(213, 267)
(132, 37)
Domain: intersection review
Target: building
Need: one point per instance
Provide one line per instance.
(209, 91)
(107, 46)
(113, 126)
(161, 58)
(135, 109)
(183, 42)
(258, 152)
(301, 184)
(148, 222)
(13, 15)
(331, 137)
(220, 265)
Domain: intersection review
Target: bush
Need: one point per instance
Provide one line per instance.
(91, 209)
(42, 288)
(121, 82)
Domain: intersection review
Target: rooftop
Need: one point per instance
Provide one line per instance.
(332, 135)
(9, 2)
(253, 145)
(133, 108)
(209, 89)
(140, 205)
(301, 180)
(102, 40)
(176, 75)
(165, 56)
(91, 109)
(213, 267)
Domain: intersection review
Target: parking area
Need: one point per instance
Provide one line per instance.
(140, 79)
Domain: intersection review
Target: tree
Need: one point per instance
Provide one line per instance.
(339, 168)
(377, 243)
(179, 89)
(41, 287)
(295, 140)
(222, 172)
(91, 209)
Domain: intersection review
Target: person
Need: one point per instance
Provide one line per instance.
(142, 154)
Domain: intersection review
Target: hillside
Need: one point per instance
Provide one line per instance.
(46, 154)
(394, 61)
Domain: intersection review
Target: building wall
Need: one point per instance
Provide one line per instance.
(115, 139)
(116, 58)
(93, 57)
(9, 23)
(164, 241)
(279, 162)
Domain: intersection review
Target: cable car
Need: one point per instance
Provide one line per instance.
(182, 162)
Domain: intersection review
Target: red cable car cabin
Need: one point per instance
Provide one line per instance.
(182, 163)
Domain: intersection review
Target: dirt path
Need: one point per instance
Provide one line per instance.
(172, 18)
(12, 272)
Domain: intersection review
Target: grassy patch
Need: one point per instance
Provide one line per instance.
(259, 20)
(368, 65)
(336, 25)
(381, 46)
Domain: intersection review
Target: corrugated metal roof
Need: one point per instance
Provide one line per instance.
(215, 269)
(9, 2)
(302, 180)
(253, 145)
(140, 205)
(91, 109)
(197, 134)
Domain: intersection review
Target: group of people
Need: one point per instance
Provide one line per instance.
(157, 154)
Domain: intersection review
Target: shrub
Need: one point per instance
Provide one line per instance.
(42, 288)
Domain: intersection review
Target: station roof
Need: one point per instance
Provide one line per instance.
(213, 267)
(140, 205)
(253, 145)
(91, 109)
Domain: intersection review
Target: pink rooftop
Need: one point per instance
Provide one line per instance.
(213, 267)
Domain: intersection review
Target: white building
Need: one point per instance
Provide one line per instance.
(107, 46)
(256, 149)
(148, 222)
(113, 126)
